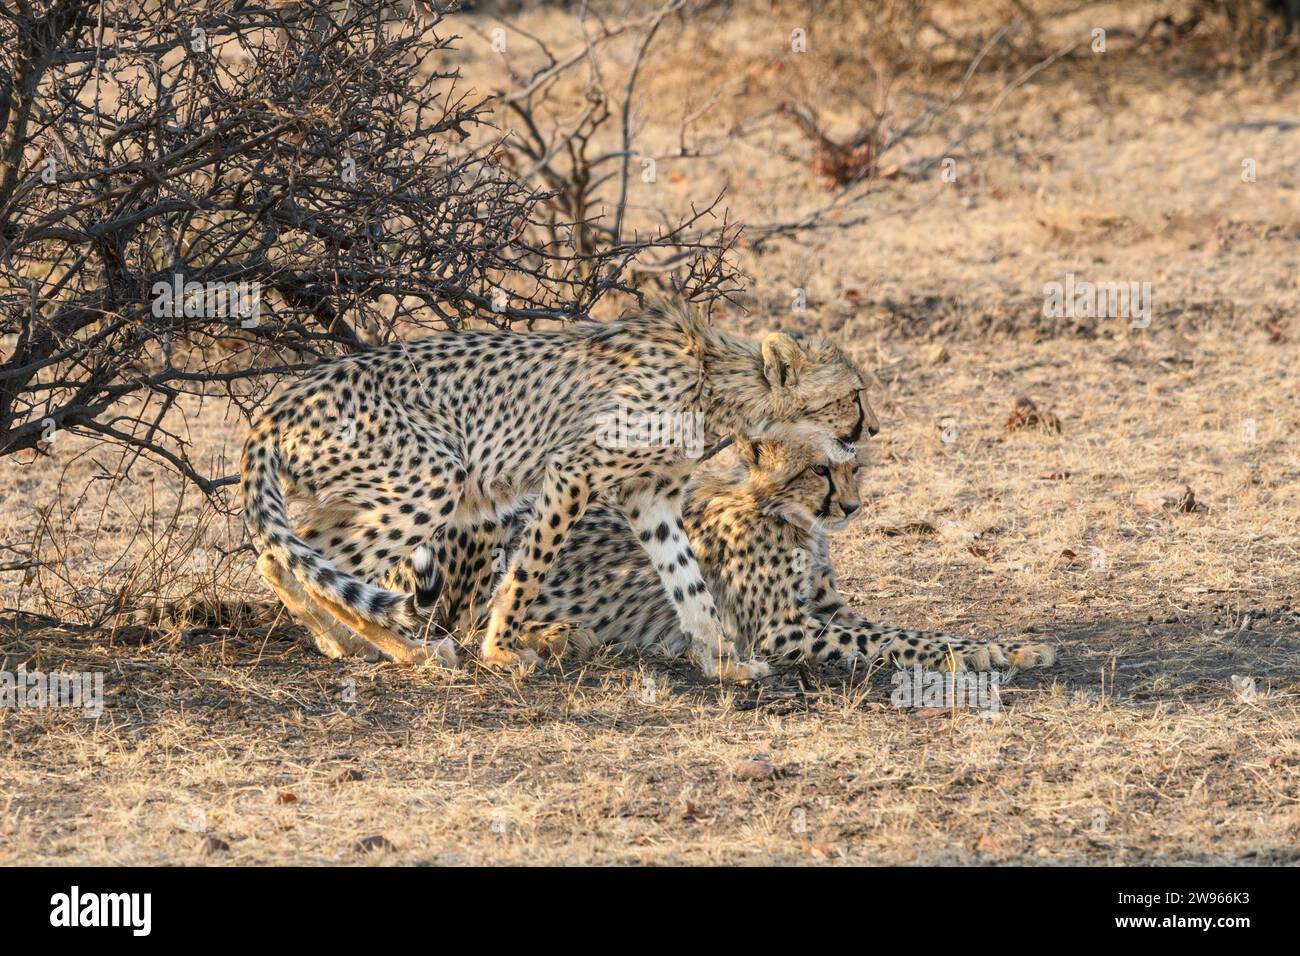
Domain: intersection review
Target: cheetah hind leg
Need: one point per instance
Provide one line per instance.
(392, 644)
(561, 501)
(330, 636)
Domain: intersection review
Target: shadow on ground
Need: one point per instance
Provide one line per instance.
(1190, 658)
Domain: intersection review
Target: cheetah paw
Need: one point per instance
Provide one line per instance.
(558, 639)
(497, 657)
(334, 648)
(731, 670)
(444, 652)
(1032, 655)
(735, 671)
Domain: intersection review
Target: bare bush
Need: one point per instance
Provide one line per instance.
(196, 198)
(1242, 32)
(592, 158)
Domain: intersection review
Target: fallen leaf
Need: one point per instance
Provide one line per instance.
(286, 797)
(986, 844)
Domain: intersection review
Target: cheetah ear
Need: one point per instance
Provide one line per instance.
(783, 360)
(749, 451)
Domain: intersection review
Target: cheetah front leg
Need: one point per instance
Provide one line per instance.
(843, 633)
(831, 631)
(799, 636)
(656, 519)
(940, 652)
(805, 637)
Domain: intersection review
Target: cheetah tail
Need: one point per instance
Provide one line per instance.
(426, 579)
(267, 520)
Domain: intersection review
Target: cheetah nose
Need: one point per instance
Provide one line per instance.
(849, 509)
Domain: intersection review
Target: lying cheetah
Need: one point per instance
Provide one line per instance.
(389, 446)
(760, 533)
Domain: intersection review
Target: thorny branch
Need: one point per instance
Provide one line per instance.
(318, 153)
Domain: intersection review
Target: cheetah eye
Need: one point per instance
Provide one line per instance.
(822, 470)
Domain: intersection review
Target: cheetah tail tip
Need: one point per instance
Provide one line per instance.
(428, 581)
(422, 560)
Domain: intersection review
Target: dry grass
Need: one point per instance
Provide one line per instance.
(1106, 168)
(253, 743)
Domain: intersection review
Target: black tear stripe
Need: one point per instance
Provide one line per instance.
(856, 435)
(825, 510)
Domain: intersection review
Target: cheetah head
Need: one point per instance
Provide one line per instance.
(817, 394)
(800, 483)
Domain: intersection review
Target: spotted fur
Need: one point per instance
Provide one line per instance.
(414, 443)
(760, 532)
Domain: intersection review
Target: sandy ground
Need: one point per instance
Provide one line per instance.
(228, 741)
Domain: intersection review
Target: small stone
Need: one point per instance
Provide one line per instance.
(755, 770)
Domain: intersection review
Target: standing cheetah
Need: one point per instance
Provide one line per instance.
(760, 533)
(392, 445)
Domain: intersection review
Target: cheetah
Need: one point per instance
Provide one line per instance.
(414, 440)
(761, 534)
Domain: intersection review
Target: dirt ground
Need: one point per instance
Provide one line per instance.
(228, 741)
